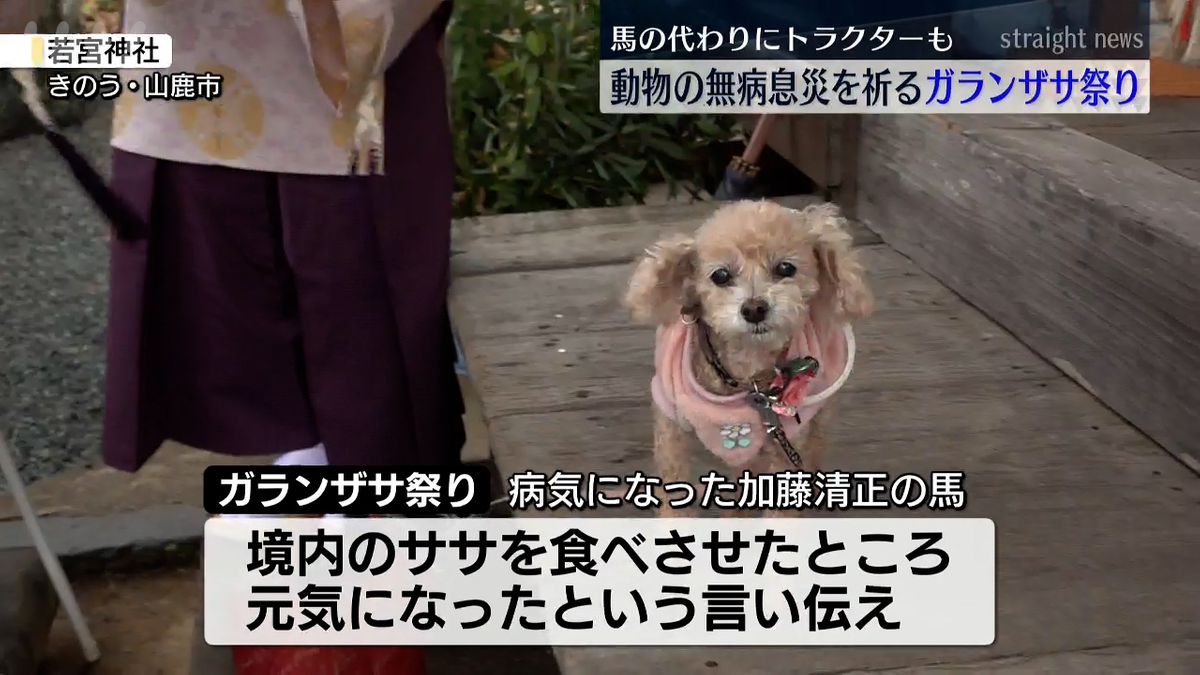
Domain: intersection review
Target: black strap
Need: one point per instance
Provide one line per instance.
(710, 355)
(781, 438)
(124, 220)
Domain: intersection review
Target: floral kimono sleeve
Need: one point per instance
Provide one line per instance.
(351, 44)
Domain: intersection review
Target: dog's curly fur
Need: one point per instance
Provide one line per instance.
(749, 239)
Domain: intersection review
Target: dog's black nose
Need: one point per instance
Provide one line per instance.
(755, 310)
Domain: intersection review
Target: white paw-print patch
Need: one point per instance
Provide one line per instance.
(736, 435)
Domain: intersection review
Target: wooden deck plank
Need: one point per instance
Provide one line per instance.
(659, 217)
(1064, 583)
(1055, 515)
(1156, 147)
(1188, 168)
(1166, 658)
(585, 370)
(1095, 525)
(1168, 136)
(598, 237)
(579, 363)
(1055, 593)
(1086, 252)
(575, 299)
(988, 426)
(1167, 115)
(1157, 658)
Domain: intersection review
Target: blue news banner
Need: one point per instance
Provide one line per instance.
(875, 56)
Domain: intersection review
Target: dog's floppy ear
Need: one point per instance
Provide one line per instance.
(661, 285)
(843, 281)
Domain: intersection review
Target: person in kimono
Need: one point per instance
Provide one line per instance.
(288, 293)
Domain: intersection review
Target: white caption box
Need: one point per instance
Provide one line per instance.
(953, 607)
(86, 51)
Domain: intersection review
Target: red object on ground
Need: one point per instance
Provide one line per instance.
(329, 660)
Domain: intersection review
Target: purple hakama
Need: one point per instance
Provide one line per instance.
(266, 312)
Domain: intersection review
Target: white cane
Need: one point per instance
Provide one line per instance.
(66, 596)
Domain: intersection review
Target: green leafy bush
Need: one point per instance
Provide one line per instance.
(528, 132)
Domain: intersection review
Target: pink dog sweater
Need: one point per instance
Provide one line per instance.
(727, 425)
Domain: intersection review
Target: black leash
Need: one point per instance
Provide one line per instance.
(710, 355)
(125, 223)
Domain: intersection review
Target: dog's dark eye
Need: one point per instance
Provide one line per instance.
(785, 269)
(721, 276)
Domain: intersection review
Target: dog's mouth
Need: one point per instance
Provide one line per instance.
(759, 329)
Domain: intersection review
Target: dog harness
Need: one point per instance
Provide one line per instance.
(728, 425)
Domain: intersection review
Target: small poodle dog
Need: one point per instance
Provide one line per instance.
(753, 313)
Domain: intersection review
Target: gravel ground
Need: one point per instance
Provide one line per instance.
(53, 277)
